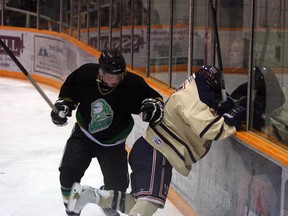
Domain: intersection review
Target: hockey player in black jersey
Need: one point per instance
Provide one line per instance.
(104, 96)
(193, 118)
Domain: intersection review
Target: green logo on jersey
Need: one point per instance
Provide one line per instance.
(101, 116)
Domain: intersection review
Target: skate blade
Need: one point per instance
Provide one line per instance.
(110, 212)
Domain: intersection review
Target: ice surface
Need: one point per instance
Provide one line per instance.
(31, 148)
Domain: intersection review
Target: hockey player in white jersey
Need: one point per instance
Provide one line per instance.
(193, 118)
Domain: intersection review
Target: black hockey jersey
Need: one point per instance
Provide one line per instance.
(105, 117)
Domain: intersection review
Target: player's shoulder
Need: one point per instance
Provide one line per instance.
(87, 70)
(85, 73)
(131, 75)
(187, 85)
(133, 79)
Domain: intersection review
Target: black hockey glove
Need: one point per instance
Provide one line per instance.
(64, 109)
(152, 110)
(225, 106)
(235, 116)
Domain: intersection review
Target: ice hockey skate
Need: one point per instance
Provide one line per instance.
(80, 196)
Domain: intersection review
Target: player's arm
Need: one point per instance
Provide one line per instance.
(67, 101)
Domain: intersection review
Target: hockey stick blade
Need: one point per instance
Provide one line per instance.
(110, 212)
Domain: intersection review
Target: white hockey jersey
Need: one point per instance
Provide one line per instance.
(187, 129)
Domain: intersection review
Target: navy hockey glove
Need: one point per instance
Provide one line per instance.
(225, 106)
(152, 110)
(258, 111)
(235, 116)
(64, 109)
(242, 101)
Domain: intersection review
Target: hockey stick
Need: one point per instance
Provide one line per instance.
(216, 37)
(13, 57)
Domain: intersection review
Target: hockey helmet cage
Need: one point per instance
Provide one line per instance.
(112, 61)
(211, 76)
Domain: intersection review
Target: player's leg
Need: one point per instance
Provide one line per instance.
(75, 161)
(114, 166)
(67, 175)
(151, 172)
(143, 207)
(150, 178)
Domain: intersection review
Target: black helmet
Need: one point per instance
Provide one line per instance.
(212, 77)
(112, 61)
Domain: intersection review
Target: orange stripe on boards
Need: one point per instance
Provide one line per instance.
(161, 87)
(272, 150)
(36, 78)
(69, 38)
(180, 203)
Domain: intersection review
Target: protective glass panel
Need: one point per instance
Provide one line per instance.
(139, 39)
(94, 24)
(49, 14)
(20, 13)
(83, 20)
(180, 43)
(232, 16)
(269, 77)
(104, 24)
(159, 40)
(66, 10)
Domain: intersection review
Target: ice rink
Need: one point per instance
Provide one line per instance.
(31, 149)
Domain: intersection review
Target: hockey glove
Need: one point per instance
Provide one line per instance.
(258, 111)
(235, 116)
(64, 109)
(225, 106)
(242, 101)
(152, 110)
